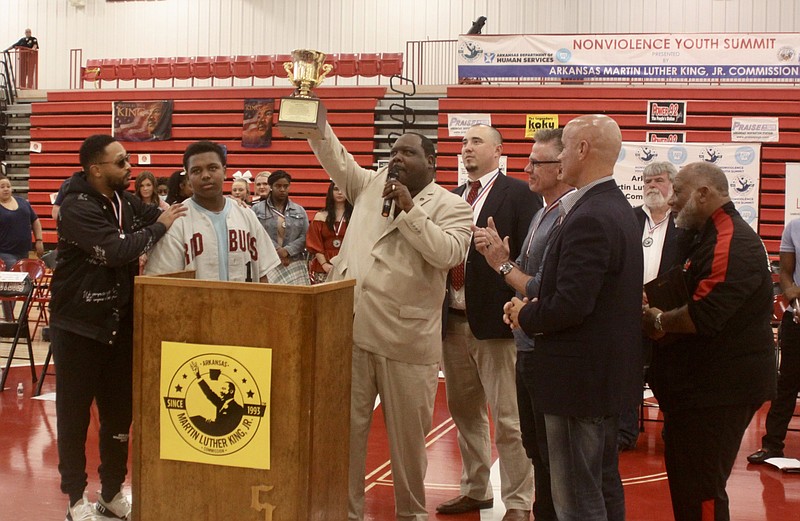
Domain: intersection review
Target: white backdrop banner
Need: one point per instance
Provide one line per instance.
(732, 56)
(792, 193)
(740, 162)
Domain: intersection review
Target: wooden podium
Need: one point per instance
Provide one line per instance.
(309, 330)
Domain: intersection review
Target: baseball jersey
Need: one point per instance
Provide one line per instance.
(191, 244)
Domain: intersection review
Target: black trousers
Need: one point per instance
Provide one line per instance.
(534, 439)
(782, 407)
(85, 371)
(700, 446)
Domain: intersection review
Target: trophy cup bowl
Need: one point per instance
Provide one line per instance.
(302, 115)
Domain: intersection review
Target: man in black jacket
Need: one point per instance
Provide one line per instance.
(719, 366)
(102, 232)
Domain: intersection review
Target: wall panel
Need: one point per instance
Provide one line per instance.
(210, 27)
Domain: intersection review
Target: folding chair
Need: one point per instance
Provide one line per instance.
(17, 328)
(37, 269)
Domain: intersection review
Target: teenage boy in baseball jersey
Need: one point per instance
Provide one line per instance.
(217, 238)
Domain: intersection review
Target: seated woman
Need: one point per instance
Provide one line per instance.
(145, 189)
(17, 220)
(179, 188)
(286, 224)
(327, 232)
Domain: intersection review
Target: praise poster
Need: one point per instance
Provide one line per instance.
(257, 124)
(215, 404)
(142, 120)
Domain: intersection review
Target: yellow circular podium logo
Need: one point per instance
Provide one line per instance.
(214, 404)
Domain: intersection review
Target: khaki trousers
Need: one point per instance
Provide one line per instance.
(407, 394)
(477, 372)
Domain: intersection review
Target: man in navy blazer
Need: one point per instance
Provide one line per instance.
(478, 353)
(588, 354)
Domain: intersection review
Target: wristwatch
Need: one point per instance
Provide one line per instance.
(506, 268)
(657, 323)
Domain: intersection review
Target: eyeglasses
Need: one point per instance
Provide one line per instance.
(118, 162)
(534, 163)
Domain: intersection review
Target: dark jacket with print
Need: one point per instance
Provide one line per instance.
(92, 289)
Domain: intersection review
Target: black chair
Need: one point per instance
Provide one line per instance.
(17, 328)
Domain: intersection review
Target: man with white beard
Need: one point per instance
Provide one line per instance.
(660, 247)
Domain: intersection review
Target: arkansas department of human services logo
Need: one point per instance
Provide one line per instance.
(215, 404)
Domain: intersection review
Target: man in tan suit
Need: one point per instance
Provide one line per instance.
(400, 265)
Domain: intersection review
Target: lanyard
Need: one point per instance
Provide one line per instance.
(339, 228)
(484, 190)
(552, 206)
(117, 210)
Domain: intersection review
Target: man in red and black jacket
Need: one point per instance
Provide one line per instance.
(717, 366)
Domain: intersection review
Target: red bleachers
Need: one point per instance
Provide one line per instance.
(391, 63)
(108, 70)
(222, 68)
(144, 70)
(201, 68)
(126, 69)
(262, 66)
(162, 69)
(243, 67)
(345, 65)
(68, 117)
(368, 64)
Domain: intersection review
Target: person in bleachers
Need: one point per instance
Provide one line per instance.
(179, 188)
(660, 240)
(17, 221)
(240, 190)
(162, 187)
(286, 223)
(326, 233)
(59, 199)
(783, 405)
(718, 366)
(218, 238)
(145, 190)
(400, 264)
(261, 186)
(102, 230)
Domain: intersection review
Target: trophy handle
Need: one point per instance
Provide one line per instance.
(289, 67)
(325, 70)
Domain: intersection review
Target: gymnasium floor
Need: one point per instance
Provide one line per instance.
(29, 476)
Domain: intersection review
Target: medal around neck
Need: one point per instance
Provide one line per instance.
(302, 115)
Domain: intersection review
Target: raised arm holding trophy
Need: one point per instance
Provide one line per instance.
(302, 115)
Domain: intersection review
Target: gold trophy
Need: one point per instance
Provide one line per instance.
(302, 115)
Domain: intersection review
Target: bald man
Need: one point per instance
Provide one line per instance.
(720, 368)
(588, 356)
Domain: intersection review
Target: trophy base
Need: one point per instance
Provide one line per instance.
(302, 118)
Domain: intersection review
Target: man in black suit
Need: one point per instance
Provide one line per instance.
(479, 353)
(660, 239)
(588, 354)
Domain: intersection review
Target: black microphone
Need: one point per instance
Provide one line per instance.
(393, 175)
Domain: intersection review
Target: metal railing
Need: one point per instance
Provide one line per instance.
(24, 65)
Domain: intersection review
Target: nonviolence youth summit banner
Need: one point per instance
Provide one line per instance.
(719, 56)
(740, 162)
